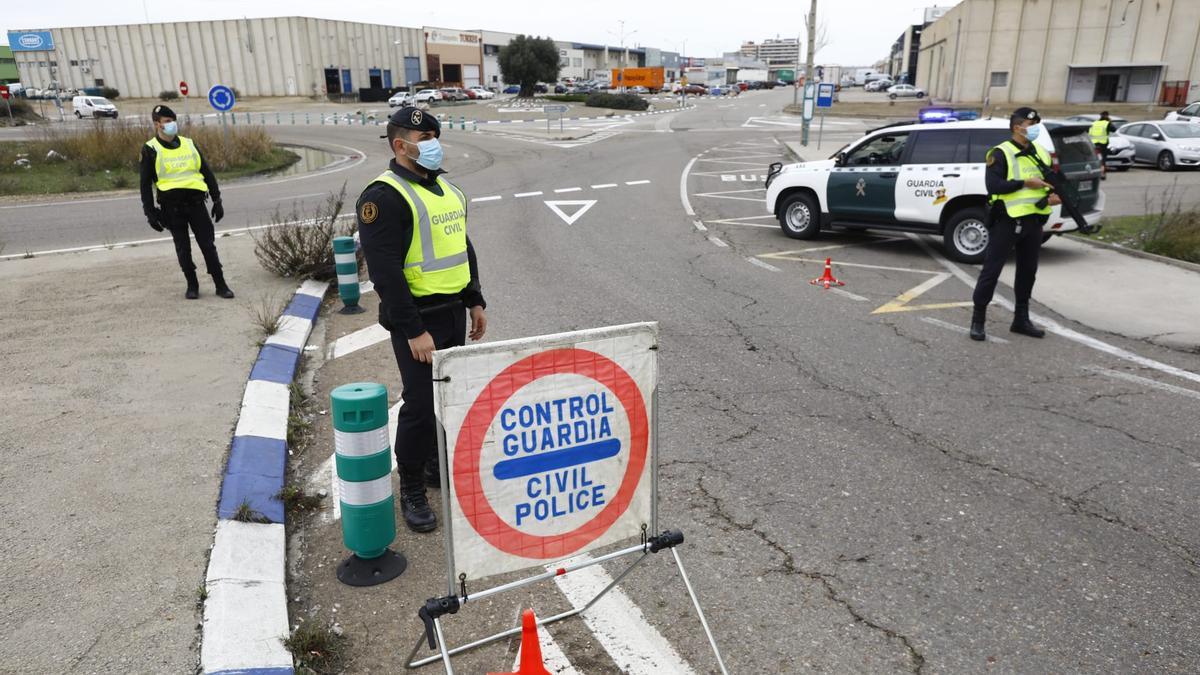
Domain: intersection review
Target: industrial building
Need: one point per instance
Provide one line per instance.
(1063, 51)
(8, 66)
(282, 56)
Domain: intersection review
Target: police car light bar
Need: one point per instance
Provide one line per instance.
(942, 114)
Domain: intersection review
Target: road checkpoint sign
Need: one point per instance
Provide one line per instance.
(549, 442)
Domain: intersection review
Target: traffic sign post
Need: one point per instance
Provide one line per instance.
(221, 98)
(183, 91)
(552, 110)
(548, 448)
(825, 92)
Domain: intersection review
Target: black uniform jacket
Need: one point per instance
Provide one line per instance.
(149, 177)
(386, 237)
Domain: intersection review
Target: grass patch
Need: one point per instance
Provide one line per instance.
(1167, 229)
(296, 500)
(567, 98)
(202, 593)
(265, 315)
(104, 156)
(317, 647)
(246, 514)
(300, 245)
(298, 427)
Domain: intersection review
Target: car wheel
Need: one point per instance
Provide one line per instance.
(78, 115)
(965, 237)
(920, 94)
(892, 96)
(1166, 161)
(800, 217)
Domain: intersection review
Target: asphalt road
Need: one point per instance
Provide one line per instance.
(863, 489)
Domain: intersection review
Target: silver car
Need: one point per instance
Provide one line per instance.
(1166, 145)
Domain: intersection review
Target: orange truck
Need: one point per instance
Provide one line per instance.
(650, 78)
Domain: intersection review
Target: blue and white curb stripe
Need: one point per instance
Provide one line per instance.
(581, 119)
(245, 612)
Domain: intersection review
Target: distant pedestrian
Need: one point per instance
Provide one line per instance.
(173, 166)
(1100, 131)
(413, 226)
(1020, 202)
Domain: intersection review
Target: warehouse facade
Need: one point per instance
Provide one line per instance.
(1063, 51)
(281, 56)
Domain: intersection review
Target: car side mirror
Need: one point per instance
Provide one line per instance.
(1157, 137)
(841, 159)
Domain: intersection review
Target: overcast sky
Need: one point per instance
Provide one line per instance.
(860, 31)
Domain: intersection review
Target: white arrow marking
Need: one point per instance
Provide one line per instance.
(583, 204)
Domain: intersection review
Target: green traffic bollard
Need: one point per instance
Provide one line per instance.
(462, 122)
(345, 263)
(277, 117)
(248, 119)
(362, 118)
(232, 119)
(305, 118)
(363, 457)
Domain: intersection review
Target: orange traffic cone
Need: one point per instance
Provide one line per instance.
(827, 279)
(531, 649)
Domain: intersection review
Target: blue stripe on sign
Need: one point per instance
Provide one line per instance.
(275, 364)
(257, 491)
(558, 459)
(304, 306)
(258, 456)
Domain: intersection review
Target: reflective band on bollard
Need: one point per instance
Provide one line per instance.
(345, 263)
(363, 457)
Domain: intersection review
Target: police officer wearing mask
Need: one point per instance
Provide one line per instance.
(1099, 132)
(1021, 202)
(413, 226)
(173, 165)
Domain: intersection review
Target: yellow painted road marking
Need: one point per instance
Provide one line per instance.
(900, 304)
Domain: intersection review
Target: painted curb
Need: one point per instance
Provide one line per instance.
(245, 612)
(581, 119)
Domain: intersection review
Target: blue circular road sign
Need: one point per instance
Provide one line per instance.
(221, 98)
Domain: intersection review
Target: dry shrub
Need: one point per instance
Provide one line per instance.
(300, 246)
(1172, 230)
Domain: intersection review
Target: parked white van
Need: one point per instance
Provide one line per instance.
(93, 106)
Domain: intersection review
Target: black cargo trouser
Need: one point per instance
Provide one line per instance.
(1002, 239)
(177, 217)
(416, 428)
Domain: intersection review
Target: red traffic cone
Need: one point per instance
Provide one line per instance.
(531, 649)
(827, 279)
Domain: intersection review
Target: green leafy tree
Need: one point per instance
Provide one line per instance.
(528, 60)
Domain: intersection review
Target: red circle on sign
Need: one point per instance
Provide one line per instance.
(467, 483)
(183, 88)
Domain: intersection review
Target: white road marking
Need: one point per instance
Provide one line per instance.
(359, 339)
(765, 266)
(699, 226)
(528, 194)
(683, 195)
(718, 242)
(959, 329)
(584, 205)
(635, 646)
(637, 182)
(570, 189)
(738, 221)
(487, 199)
(553, 657)
(1137, 379)
(1057, 328)
(725, 195)
(843, 292)
(310, 194)
(603, 186)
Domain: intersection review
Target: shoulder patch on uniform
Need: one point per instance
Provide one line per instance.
(991, 158)
(368, 212)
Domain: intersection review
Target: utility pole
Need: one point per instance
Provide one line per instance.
(796, 75)
(808, 67)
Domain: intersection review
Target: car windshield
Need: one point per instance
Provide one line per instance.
(99, 101)
(1075, 149)
(1181, 130)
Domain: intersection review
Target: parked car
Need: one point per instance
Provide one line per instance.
(400, 99)
(93, 106)
(695, 89)
(1188, 113)
(481, 93)
(904, 91)
(924, 178)
(541, 89)
(1120, 150)
(512, 89)
(878, 85)
(454, 94)
(428, 96)
(1167, 145)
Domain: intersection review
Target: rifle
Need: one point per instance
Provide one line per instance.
(1060, 186)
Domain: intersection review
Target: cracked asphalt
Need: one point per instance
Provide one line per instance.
(860, 492)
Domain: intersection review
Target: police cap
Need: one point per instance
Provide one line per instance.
(410, 117)
(1020, 115)
(160, 111)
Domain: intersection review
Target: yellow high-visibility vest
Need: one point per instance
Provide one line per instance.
(179, 167)
(1024, 201)
(437, 253)
(1099, 132)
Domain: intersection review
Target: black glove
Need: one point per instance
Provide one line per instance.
(218, 211)
(154, 217)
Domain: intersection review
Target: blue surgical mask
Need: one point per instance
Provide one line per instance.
(170, 129)
(430, 154)
(1033, 132)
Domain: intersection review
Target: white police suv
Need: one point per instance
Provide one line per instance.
(924, 178)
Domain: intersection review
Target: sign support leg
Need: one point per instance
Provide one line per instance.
(696, 603)
(821, 129)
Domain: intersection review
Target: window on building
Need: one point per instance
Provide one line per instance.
(74, 62)
(578, 63)
(999, 79)
(99, 82)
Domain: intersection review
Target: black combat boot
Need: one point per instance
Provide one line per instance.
(978, 317)
(222, 287)
(193, 285)
(433, 474)
(414, 504)
(1021, 323)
